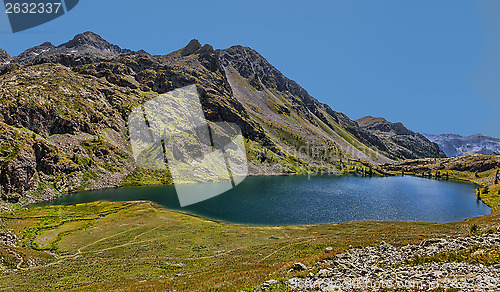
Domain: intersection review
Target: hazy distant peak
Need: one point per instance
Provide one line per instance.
(457, 145)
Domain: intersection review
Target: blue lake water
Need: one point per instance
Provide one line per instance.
(287, 200)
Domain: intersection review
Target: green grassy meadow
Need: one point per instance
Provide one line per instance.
(138, 246)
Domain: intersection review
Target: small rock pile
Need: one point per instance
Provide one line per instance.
(7, 238)
(378, 267)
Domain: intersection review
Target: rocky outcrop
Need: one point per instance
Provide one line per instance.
(7, 238)
(455, 145)
(387, 266)
(192, 47)
(400, 142)
(4, 57)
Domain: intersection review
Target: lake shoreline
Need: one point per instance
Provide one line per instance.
(262, 193)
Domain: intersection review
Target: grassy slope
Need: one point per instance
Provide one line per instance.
(136, 246)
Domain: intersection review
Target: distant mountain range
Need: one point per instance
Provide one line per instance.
(64, 110)
(455, 145)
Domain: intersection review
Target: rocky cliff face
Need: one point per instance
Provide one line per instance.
(63, 113)
(456, 145)
(61, 132)
(400, 142)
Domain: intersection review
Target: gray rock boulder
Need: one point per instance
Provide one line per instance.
(298, 267)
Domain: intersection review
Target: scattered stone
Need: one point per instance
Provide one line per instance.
(268, 284)
(386, 264)
(328, 249)
(7, 238)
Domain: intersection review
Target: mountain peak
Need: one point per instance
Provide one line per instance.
(31, 53)
(46, 45)
(260, 73)
(382, 125)
(369, 120)
(191, 48)
(87, 43)
(87, 37)
(90, 42)
(247, 53)
(142, 52)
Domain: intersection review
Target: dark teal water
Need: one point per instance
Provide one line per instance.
(286, 200)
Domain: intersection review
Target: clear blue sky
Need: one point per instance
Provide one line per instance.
(433, 65)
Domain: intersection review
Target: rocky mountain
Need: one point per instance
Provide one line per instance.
(404, 143)
(288, 114)
(64, 110)
(88, 45)
(455, 145)
(4, 57)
